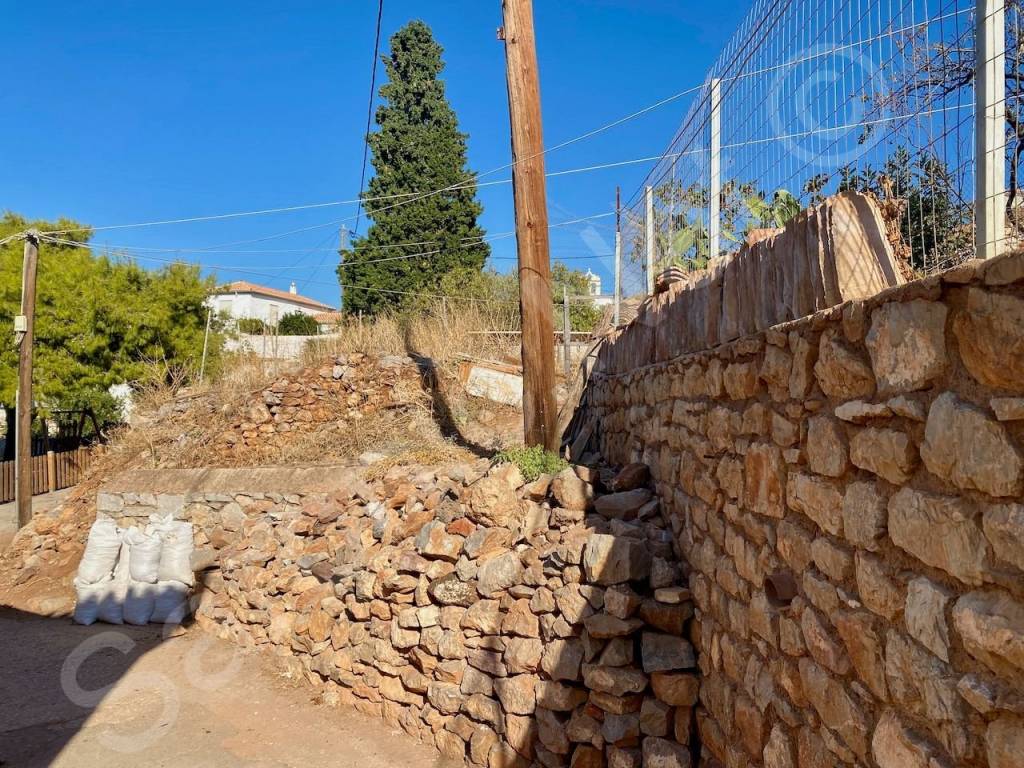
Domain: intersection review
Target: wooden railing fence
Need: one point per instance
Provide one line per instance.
(51, 471)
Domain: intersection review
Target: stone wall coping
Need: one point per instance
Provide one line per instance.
(1000, 271)
(284, 480)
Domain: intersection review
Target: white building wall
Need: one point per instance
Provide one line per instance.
(253, 306)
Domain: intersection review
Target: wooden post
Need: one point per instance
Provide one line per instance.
(618, 255)
(206, 343)
(540, 415)
(24, 327)
(51, 470)
(566, 333)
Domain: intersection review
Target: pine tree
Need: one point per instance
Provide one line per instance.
(418, 148)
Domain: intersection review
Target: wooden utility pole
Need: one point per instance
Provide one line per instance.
(24, 329)
(540, 414)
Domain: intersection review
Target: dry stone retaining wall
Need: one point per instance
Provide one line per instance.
(507, 623)
(846, 490)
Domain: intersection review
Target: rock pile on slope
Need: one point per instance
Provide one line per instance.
(505, 622)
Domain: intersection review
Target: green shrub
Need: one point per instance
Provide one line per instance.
(298, 324)
(532, 462)
(251, 325)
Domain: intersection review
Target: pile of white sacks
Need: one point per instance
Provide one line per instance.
(133, 576)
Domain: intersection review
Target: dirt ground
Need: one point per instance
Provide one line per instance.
(121, 697)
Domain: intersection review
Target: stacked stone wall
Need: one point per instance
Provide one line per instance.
(846, 491)
(508, 624)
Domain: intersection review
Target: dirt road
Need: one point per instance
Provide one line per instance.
(121, 697)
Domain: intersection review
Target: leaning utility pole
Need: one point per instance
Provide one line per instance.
(540, 415)
(24, 329)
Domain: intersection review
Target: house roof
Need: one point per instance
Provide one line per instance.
(325, 318)
(244, 286)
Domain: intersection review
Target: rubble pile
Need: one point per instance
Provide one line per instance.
(505, 622)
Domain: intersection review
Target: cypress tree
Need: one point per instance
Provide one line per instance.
(417, 148)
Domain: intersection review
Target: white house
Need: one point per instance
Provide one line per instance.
(594, 291)
(245, 300)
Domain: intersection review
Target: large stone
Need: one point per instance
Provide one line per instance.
(615, 560)
(991, 625)
(888, 453)
(865, 516)
(487, 540)
(820, 644)
(926, 615)
(893, 745)
(817, 498)
(907, 344)
(778, 752)
(919, 683)
(618, 681)
(621, 730)
(675, 688)
(499, 573)
(631, 476)
(877, 589)
(841, 373)
(623, 505)
(562, 658)
(827, 453)
(450, 590)
(662, 753)
(765, 474)
(965, 447)
(522, 654)
(484, 616)
(1004, 742)
(939, 531)
(571, 492)
(1004, 528)
(990, 332)
(493, 502)
(864, 646)
(551, 732)
(664, 653)
(434, 542)
(445, 697)
(602, 626)
(517, 694)
(837, 709)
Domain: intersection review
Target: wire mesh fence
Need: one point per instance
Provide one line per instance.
(815, 97)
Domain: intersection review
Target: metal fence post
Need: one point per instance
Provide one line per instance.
(990, 128)
(618, 257)
(649, 238)
(715, 192)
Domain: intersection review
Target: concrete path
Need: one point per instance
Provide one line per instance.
(121, 697)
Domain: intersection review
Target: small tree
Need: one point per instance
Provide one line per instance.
(298, 324)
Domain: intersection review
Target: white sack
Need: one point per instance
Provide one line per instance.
(171, 603)
(176, 554)
(145, 555)
(111, 606)
(139, 602)
(101, 551)
(88, 599)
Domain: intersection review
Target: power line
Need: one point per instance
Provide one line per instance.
(369, 112)
(415, 196)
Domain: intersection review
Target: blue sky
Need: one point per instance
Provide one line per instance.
(126, 112)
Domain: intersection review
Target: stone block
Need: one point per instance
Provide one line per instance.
(842, 374)
(817, 498)
(765, 472)
(1004, 742)
(1003, 525)
(662, 753)
(888, 453)
(967, 448)
(664, 653)
(836, 708)
(925, 615)
(827, 452)
(876, 586)
(991, 626)
(615, 560)
(893, 745)
(940, 531)
(864, 645)
(907, 345)
(990, 336)
(865, 516)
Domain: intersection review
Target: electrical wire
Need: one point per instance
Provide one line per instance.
(369, 112)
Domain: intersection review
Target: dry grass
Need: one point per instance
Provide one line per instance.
(444, 334)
